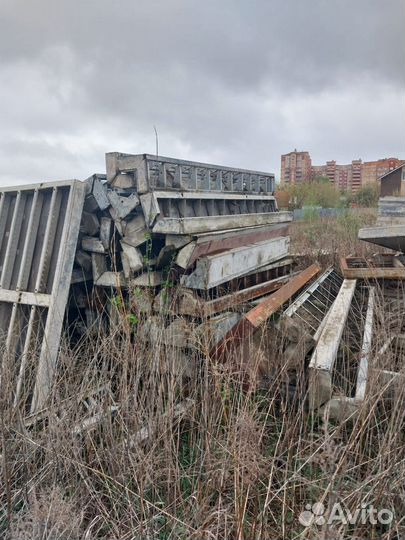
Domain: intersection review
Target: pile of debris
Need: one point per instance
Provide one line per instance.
(195, 251)
(191, 239)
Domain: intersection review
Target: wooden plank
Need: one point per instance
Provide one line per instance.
(252, 320)
(195, 225)
(324, 356)
(261, 313)
(214, 270)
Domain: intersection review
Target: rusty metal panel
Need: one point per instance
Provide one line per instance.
(257, 316)
(384, 266)
(39, 226)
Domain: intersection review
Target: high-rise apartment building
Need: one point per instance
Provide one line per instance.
(296, 167)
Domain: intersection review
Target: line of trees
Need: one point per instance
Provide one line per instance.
(321, 192)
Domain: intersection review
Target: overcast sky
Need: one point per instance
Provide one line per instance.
(224, 81)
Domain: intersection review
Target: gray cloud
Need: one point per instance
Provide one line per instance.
(235, 82)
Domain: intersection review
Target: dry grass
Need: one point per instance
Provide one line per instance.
(200, 457)
(329, 238)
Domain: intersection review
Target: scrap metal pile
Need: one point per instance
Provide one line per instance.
(200, 252)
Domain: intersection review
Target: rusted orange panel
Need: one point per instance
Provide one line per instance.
(234, 299)
(216, 246)
(259, 314)
(386, 266)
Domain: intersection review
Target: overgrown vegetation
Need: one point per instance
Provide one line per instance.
(322, 193)
(329, 238)
(367, 196)
(199, 449)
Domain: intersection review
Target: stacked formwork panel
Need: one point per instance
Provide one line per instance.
(207, 229)
(214, 233)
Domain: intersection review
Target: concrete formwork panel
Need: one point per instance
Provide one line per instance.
(39, 227)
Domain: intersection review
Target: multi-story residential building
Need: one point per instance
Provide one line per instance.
(296, 167)
(377, 169)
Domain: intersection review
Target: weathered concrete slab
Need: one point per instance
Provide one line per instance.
(134, 231)
(216, 269)
(214, 243)
(324, 356)
(132, 259)
(148, 279)
(111, 279)
(93, 245)
(389, 236)
(122, 206)
(152, 172)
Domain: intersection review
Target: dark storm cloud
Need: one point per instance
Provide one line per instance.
(232, 81)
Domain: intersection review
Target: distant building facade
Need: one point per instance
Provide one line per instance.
(393, 183)
(296, 167)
